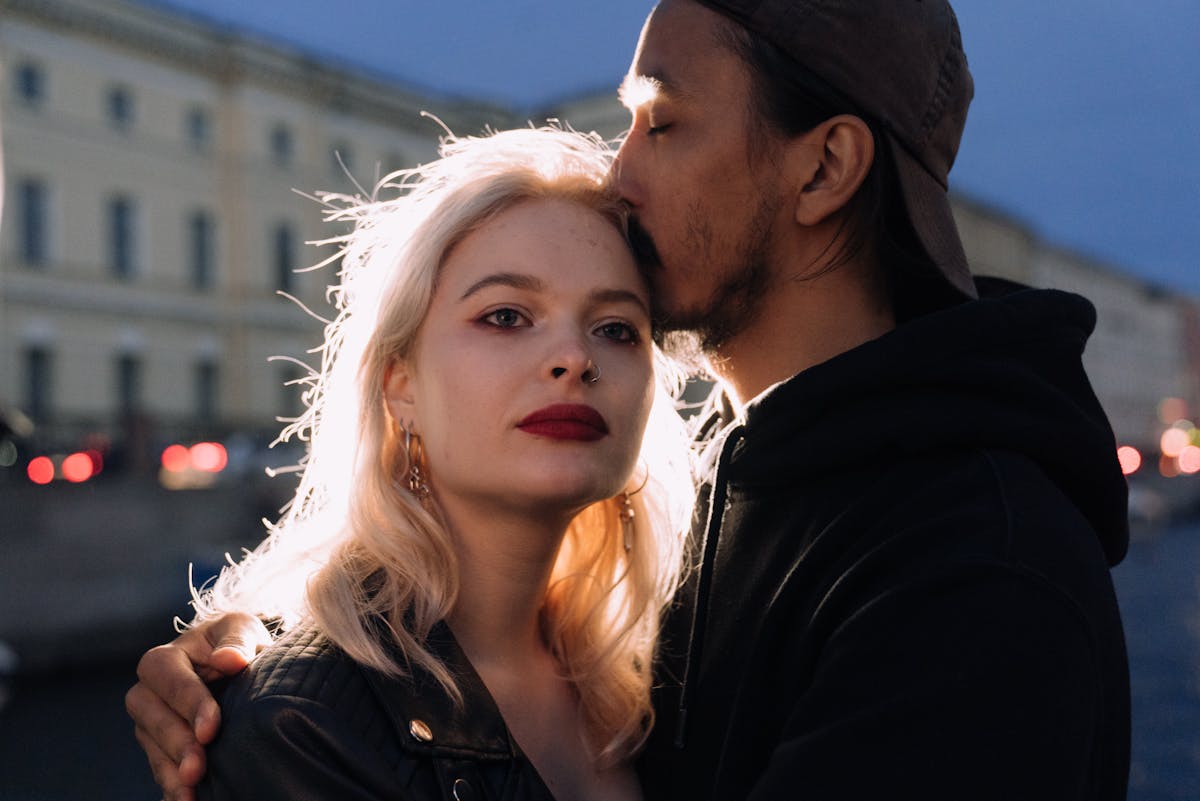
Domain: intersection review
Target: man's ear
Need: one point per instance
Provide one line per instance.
(398, 392)
(831, 162)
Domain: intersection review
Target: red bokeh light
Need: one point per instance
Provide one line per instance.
(176, 459)
(209, 457)
(1130, 459)
(40, 470)
(1189, 460)
(1173, 441)
(1168, 466)
(77, 468)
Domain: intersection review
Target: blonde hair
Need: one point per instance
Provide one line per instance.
(357, 553)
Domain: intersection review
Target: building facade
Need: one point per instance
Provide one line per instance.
(151, 224)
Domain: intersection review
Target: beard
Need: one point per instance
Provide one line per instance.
(703, 328)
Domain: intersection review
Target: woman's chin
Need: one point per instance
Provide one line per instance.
(556, 488)
(567, 494)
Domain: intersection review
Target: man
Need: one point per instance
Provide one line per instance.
(912, 498)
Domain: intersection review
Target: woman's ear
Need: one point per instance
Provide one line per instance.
(398, 392)
(832, 161)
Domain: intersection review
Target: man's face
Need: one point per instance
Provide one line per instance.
(705, 198)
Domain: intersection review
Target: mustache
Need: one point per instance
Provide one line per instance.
(644, 249)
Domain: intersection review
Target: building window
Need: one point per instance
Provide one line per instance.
(30, 84)
(38, 365)
(122, 230)
(198, 128)
(285, 257)
(282, 146)
(119, 105)
(32, 225)
(206, 391)
(201, 251)
(129, 383)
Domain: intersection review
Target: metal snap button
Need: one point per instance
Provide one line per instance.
(463, 791)
(420, 730)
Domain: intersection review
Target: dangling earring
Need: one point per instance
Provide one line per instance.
(627, 514)
(416, 455)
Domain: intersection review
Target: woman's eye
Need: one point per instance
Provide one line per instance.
(618, 332)
(505, 318)
(655, 130)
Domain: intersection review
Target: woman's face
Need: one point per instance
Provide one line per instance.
(528, 310)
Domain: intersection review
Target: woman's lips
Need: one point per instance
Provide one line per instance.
(566, 421)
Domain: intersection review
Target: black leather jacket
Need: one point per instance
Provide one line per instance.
(307, 722)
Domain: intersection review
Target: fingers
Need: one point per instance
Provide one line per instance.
(174, 695)
(176, 674)
(175, 776)
(173, 710)
(235, 639)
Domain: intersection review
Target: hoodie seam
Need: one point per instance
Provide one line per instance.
(1002, 496)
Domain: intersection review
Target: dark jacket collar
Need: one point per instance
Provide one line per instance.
(471, 728)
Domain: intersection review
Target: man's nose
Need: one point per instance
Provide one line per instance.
(624, 170)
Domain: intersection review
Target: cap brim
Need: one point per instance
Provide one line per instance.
(928, 206)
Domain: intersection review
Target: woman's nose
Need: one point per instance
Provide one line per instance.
(590, 372)
(573, 361)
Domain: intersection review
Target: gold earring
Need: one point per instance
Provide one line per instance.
(417, 484)
(627, 513)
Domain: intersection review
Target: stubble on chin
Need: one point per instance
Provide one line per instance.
(736, 300)
(694, 337)
(695, 334)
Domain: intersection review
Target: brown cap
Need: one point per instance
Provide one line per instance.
(902, 63)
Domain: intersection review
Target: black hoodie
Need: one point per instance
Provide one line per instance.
(904, 587)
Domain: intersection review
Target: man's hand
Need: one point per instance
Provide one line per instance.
(174, 713)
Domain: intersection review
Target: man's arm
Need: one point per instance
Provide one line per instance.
(174, 713)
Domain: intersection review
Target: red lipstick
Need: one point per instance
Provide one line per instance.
(566, 421)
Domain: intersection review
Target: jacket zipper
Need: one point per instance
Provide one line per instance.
(708, 550)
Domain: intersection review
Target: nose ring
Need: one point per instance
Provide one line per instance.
(594, 370)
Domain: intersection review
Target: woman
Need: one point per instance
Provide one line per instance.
(471, 572)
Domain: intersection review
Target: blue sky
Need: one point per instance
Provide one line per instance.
(1085, 125)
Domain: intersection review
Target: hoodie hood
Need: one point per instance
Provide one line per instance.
(1000, 373)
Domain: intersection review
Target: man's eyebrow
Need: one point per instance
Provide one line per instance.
(514, 280)
(636, 91)
(599, 296)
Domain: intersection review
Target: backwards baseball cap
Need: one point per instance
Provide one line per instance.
(902, 63)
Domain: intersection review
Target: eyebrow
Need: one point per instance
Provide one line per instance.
(599, 296)
(514, 280)
(636, 91)
(533, 284)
